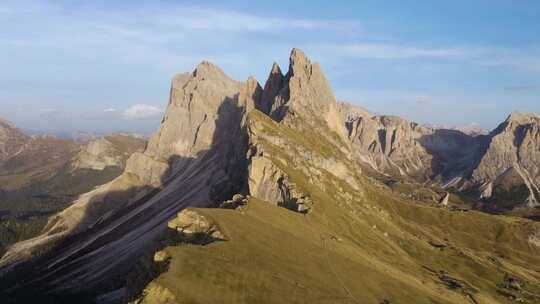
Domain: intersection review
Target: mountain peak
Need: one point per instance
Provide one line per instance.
(276, 70)
(272, 87)
(307, 93)
(297, 55)
(207, 69)
(298, 61)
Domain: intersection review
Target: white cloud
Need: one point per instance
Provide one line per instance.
(233, 21)
(394, 51)
(171, 38)
(524, 59)
(108, 110)
(141, 111)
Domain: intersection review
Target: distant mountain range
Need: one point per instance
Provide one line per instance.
(469, 129)
(82, 136)
(500, 168)
(41, 175)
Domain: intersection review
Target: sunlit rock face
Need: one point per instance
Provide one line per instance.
(512, 158)
(395, 146)
(507, 158)
(303, 92)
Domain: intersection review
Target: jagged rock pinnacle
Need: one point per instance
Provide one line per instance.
(273, 85)
(303, 91)
(250, 94)
(298, 57)
(298, 63)
(276, 70)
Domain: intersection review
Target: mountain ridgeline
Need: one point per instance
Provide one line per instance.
(281, 194)
(500, 168)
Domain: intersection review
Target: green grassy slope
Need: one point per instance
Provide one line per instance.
(273, 255)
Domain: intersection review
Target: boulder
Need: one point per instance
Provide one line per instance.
(193, 227)
(161, 256)
(236, 201)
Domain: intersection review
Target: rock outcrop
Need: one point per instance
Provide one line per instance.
(108, 151)
(194, 227)
(236, 201)
(269, 183)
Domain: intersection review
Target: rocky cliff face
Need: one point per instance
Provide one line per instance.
(502, 166)
(512, 150)
(395, 146)
(303, 98)
(389, 144)
(300, 101)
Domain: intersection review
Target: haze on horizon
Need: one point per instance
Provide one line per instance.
(103, 67)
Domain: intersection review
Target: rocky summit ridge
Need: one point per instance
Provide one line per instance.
(252, 149)
(454, 159)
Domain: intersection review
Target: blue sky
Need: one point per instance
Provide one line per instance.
(106, 66)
